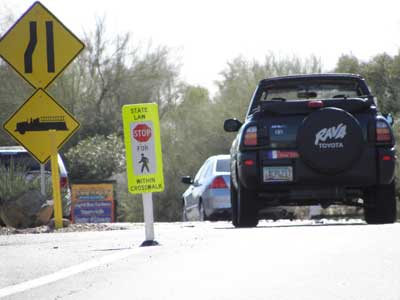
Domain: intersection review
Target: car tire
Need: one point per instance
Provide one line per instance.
(233, 205)
(380, 205)
(184, 214)
(247, 213)
(202, 212)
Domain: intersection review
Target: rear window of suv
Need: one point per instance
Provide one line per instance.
(302, 90)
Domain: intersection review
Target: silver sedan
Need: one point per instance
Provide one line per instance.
(208, 196)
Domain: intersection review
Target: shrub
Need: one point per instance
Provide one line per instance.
(96, 158)
(13, 182)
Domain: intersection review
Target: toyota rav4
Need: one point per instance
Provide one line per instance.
(312, 140)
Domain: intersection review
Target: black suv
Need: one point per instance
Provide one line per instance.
(312, 139)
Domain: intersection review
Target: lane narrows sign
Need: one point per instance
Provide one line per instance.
(39, 47)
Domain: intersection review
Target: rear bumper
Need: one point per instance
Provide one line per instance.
(375, 166)
(217, 201)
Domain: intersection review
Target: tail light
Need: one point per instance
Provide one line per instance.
(383, 134)
(249, 162)
(387, 158)
(315, 104)
(218, 183)
(63, 182)
(250, 136)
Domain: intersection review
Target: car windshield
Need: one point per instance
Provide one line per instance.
(223, 165)
(301, 90)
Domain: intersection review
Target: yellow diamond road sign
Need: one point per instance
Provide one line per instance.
(39, 47)
(31, 123)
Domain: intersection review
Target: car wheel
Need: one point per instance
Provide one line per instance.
(184, 215)
(202, 212)
(380, 205)
(247, 213)
(234, 205)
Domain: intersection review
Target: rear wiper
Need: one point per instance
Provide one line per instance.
(340, 96)
(277, 99)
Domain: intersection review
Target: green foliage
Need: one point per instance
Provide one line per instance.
(13, 92)
(110, 73)
(187, 133)
(348, 64)
(129, 207)
(96, 158)
(13, 182)
(382, 74)
(241, 76)
(396, 131)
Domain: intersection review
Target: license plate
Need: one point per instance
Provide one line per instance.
(275, 174)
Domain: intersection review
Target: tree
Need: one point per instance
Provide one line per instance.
(382, 74)
(186, 142)
(240, 78)
(348, 64)
(14, 91)
(111, 73)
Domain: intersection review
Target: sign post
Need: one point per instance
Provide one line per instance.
(148, 216)
(39, 47)
(143, 158)
(55, 178)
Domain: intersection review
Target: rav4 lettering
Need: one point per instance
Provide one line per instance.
(334, 132)
(330, 145)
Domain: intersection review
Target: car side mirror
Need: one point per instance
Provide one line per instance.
(232, 125)
(187, 180)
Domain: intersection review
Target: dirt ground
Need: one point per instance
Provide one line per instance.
(69, 228)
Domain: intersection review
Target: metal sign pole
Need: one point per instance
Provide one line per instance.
(55, 178)
(42, 180)
(148, 220)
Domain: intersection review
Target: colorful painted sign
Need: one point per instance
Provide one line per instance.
(92, 203)
(93, 212)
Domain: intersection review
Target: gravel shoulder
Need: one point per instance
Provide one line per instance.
(70, 228)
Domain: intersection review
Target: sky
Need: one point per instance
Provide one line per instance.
(206, 34)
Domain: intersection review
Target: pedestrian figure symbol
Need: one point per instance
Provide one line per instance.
(144, 161)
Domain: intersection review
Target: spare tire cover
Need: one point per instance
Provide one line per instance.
(330, 140)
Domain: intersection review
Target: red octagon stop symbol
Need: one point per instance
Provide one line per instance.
(142, 133)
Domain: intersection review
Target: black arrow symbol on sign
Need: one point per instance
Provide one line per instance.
(32, 45)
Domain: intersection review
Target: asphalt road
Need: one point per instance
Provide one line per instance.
(210, 260)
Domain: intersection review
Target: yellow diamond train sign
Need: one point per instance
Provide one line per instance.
(39, 47)
(31, 123)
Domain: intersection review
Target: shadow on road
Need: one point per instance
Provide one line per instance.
(289, 225)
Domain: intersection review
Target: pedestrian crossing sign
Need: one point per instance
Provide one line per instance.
(143, 148)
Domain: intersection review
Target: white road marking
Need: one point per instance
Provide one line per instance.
(67, 272)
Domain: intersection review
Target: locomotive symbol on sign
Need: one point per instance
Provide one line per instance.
(42, 124)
